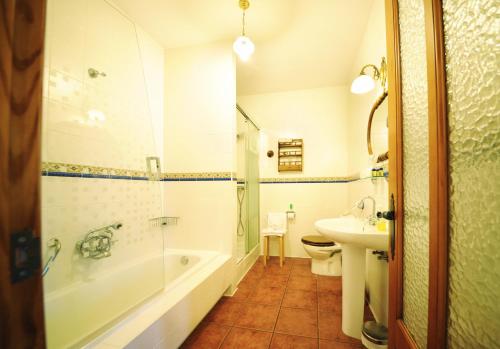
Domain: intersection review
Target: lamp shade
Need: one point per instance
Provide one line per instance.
(243, 47)
(362, 84)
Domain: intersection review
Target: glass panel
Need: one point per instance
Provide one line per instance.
(97, 132)
(253, 186)
(241, 191)
(471, 47)
(247, 144)
(416, 169)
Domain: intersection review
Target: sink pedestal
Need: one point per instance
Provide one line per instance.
(353, 289)
(356, 236)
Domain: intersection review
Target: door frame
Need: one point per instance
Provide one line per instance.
(21, 70)
(399, 336)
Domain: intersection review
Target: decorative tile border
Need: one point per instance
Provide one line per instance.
(300, 180)
(198, 176)
(55, 169)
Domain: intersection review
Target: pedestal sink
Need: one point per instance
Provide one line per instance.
(355, 235)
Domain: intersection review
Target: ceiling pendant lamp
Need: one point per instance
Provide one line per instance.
(243, 46)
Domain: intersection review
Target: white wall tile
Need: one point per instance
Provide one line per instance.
(310, 202)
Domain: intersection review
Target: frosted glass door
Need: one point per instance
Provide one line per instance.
(472, 65)
(415, 169)
(409, 177)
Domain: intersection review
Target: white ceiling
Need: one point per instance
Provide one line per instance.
(299, 43)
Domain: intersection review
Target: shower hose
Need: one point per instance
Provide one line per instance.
(240, 232)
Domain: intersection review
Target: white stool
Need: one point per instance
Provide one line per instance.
(276, 227)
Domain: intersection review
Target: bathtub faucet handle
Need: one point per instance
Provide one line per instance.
(97, 243)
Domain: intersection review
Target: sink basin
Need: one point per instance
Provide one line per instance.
(352, 230)
(355, 236)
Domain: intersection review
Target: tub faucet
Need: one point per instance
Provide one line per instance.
(373, 217)
(97, 243)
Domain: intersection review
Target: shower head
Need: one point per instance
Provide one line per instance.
(94, 73)
(116, 225)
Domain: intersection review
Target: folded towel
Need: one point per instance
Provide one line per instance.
(276, 220)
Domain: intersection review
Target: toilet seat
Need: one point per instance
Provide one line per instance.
(317, 240)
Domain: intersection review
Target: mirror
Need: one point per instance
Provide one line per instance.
(377, 131)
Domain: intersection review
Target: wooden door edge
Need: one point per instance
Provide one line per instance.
(395, 165)
(404, 338)
(438, 176)
(21, 71)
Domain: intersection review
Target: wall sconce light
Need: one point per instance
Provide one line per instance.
(365, 83)
(243, 46)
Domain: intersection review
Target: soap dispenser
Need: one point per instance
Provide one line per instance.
(290, 213)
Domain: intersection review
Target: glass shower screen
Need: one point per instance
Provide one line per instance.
(98, 199)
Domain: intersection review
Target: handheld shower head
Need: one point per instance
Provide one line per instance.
(116, 225)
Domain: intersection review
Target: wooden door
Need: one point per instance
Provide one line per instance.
(434, 171)
(21, 47)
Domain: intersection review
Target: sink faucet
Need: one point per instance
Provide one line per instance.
(361, 205)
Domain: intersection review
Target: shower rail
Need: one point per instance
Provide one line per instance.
(245, 115)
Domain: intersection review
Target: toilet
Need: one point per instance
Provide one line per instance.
(325, 254)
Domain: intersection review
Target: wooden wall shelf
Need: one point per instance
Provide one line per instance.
(290, 155)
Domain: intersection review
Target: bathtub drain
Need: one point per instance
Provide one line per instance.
(184, 260)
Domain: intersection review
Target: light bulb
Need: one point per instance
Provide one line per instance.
(243, 47)
(96, 115)
(362, 84)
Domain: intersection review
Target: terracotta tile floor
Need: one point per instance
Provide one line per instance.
(278, 308)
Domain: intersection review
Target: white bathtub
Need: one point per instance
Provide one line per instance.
(194, 281)
(166, 320)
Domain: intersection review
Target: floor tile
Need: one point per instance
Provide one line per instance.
(225, 312)
(330, 301)
(257, 268)
(302, 283)
(267, 295)
(284, 341)
(329, 325)
(326, 344)
(301, 261)
(302, 270)
(275, 269)
(207, 335)
(300, 322)
(274, 280)
(275, 260)
(242, 293)
(330, 283)
(341, 337)
(258, 316)
(252, 276)
(300, 299)
(240, 338)
(277, 307)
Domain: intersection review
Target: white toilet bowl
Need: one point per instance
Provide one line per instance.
(325, 254)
